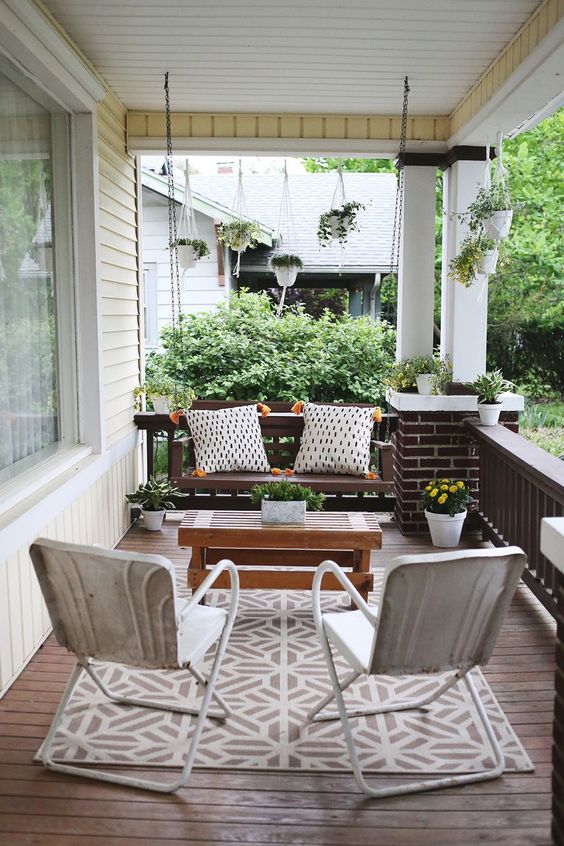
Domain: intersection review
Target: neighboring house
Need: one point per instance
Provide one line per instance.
(358, 268)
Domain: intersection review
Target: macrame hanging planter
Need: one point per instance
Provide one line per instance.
(341, 219)
(189, 247)
(498, 224)
(285, 263)
(241, 233)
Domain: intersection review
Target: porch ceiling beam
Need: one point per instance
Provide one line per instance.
(371, 135)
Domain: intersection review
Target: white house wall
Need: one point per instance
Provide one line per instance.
(201, 290)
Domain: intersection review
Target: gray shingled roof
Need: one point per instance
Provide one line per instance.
(311, 194)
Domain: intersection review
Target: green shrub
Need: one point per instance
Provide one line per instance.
(243, 351)
(285, 491)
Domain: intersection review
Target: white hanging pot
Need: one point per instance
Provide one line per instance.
(153, 520)
(160, 404)
(498, 225)
(186, 256)
(240, 244)
(489, 413)
(445, 530)
(488, 262)
(286, 276)
(340, 227)
(424, 383)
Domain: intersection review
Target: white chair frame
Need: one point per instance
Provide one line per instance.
(84, 664)
(338, 686)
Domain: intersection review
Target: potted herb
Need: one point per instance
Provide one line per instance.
(478, 254)
(285, 267)
(336, 224)
(154, 498)
(489, 386)
(164, 394)
(491, 211)
(284, 502)
(190, 250)
(445, 504)
(239, 234)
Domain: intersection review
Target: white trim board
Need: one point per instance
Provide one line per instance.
(22, 522)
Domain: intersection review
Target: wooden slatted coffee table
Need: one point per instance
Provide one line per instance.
(344, 537)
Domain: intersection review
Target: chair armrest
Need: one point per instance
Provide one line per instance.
(333, 568)
(220, 567)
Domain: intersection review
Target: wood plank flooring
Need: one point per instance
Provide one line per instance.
(48, 809)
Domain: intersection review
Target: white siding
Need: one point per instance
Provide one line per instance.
(201, 290)
(100, 515)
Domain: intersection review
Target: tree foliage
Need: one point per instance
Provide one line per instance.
(243, 351)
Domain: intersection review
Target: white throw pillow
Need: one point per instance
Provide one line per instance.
(228, 439)
(336, 439)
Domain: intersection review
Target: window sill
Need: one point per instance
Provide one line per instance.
(21, 489)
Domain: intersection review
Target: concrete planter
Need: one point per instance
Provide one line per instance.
(153, 520)
(445, 530)
(160, 404)
(283, 513)
(488, 262)
(336, 224)
(489, 413)
(186, 256)
(286, 276)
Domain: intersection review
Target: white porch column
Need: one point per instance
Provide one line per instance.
(416, 273)
(464, 311)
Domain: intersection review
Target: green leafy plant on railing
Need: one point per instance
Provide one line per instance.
(403, 375)
(489, 386)
(285, 491)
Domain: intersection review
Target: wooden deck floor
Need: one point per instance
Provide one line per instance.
(48, 809)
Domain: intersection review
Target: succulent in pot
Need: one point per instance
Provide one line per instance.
(154, 498)
(489, 386)
(337, 224)
(190, 250)
(284, 502)
(445, 503)
(285, 267)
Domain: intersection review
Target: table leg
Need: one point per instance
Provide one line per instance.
(198, 562)
(361, 565)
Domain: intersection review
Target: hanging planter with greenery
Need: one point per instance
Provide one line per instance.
(285, 267)
(337, 224)
(190, 250)
(477, 253)
(491, 211)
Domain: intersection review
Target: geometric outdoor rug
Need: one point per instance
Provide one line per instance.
(272, 675)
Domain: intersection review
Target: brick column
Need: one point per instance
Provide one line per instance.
(428, 444)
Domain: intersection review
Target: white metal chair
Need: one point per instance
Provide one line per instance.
(439, 612)
(122, 607)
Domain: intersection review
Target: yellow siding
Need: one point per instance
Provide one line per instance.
(143, 125)
(119, 255)
(529, 36)
(100, 515)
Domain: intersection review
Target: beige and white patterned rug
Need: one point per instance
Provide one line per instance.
(272, 675)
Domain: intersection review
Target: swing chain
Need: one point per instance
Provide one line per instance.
(172, 224)
(398, 210)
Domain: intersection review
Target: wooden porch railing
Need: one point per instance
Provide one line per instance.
(519, 485)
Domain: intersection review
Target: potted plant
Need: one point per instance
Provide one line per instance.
(336, 224)
(489, 386)
(239, 234)
(190, 250)
(285, 267)
(284, 502)
(477, 254)
(154, 498)
(164, 394)
(430, 374)
(445, 504)
(491, 211)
